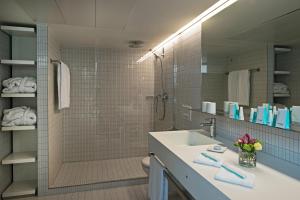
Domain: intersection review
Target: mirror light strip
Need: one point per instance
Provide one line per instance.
(205, 15)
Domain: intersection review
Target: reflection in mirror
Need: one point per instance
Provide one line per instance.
(252, 56)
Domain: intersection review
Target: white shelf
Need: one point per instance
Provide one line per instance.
(15, 95)
(19, 157)
(282, 49)
(18, 31)
(17, 62)
(281, 95)
(282, 72)
(20, 188)
(17, 128)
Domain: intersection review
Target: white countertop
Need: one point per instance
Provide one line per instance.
(269, 183)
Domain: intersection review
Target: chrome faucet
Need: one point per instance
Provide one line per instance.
(212, 126)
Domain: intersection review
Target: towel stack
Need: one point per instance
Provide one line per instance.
(19, 116)
(227, 173)
(280, 88)
(19, 85)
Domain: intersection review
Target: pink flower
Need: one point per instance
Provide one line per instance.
(252, 141)
(246, 138)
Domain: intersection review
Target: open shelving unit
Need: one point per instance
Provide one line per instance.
(280, 73)
(23, 156)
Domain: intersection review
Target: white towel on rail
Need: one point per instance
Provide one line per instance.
(19, 116)
(63, 83)
(158, 183)
(239, 87)
(19, 85)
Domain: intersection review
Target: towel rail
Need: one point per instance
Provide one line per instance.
(55, 61)
(174, 184)
(251, 70)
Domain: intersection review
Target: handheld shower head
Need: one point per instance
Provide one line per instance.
(156, 56)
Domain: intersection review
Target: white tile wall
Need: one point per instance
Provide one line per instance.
(43, 148)
(109, 115)
(55, 117)
(42, 107)
(182, 67)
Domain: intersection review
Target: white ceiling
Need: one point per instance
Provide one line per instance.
(105, 23)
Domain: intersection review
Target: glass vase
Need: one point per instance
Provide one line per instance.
(247, 159)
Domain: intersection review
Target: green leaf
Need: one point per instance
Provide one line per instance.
(247, 147)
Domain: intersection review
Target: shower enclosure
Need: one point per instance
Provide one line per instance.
(115, 102)
(103, 135)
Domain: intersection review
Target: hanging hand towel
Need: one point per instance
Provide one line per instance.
(239, 87)
(63, 83)
(158, 183)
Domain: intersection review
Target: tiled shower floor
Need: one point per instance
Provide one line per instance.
(137, 192)
(89, 172)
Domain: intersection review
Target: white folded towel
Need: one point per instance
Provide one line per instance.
(203, 160)
(19, 116)
(63, 83)
(19, 85)
(158, 183)
(280, 88)
(229, 177)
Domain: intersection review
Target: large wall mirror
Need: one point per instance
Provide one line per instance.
(252, 54)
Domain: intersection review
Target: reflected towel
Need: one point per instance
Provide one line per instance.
(280, 88)
(63, 83)
(229, 177)
(239, 87)
(158, 183)
(201, 159)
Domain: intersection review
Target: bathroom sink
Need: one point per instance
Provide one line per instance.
(186, 138)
